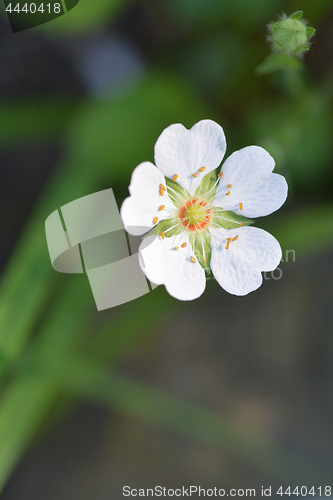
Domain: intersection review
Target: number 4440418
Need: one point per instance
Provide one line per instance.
(304, 491)
(32, 8)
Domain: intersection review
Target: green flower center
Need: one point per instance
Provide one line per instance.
(195, 214)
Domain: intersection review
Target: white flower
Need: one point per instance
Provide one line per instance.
(200, 220)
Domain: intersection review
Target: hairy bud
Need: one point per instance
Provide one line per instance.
(291, 35)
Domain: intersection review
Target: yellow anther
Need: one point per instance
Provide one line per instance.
(235, 238)
(227, 245)
(227, 194)
(241, 223)
(175, 177)
(220, 175)
(162, 234)
(162, 207)
(229, 186)
(193, 259)
(195, 174)
(202, 169)
(176, 248)
(155, 220)
(161, 191)
(204, 260)
(162, 187)
(183, 245)
(241, 206)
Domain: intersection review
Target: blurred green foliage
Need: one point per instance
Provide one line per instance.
(48, 350)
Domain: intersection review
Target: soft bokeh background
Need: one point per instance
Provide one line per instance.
(232, 392)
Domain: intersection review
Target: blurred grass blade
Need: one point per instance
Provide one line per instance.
(22, 409)
(87, 15)
(142, 401)
(29, 279)
(32, 392)
(22, 121)
(109, 136)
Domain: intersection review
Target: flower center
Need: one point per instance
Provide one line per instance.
(194, 214)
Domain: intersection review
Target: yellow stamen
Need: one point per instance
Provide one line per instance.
(162, 207)
(235, 238)
(220, 175)
(204, 260)
(202, 169)
(227, 245)
(193, 259)
(241, 206)
(183, 245)
(155, 220)
(162, 234)
(176, 248)
(241, 223)
(229, 186)
(175, 177)
(162, 187)
(227, 194)
(161, 191)
(195, 174)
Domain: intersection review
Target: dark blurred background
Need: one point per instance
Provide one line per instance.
(232, 392)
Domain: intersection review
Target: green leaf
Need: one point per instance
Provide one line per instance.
(230, 220)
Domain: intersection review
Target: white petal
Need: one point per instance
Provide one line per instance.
(257, 199)
(139, 210)
(245, 166)
(162, 264)
(238, 268)
(183, 152)
(249, 172)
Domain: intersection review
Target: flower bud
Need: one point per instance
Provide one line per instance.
(291, 34)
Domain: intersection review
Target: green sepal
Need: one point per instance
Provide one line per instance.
(181, 192)
(301, 50)
(201, 245)
(310, 31)
(164, 225)
(230, 220)
(297, 15)
(206, 185)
